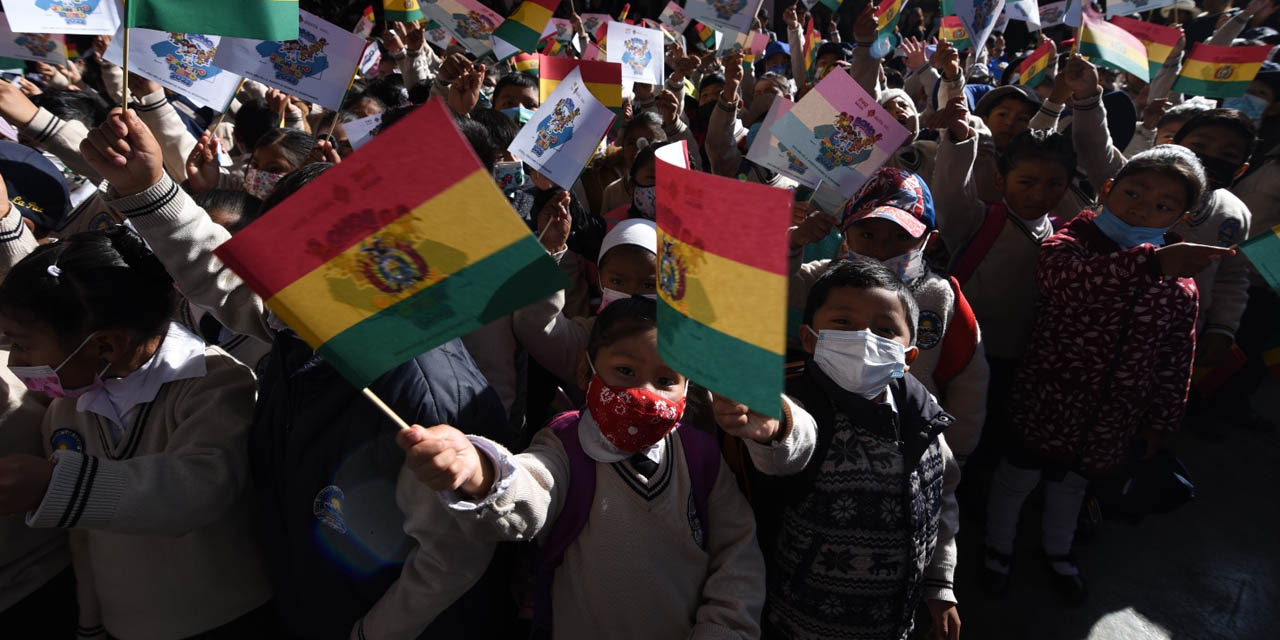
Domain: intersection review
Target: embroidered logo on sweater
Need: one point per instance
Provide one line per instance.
(66, 440)
(101, 222)
(327, 508)
(1228, 231)
(695, 524)
(929, 330)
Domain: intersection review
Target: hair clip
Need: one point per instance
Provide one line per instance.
(54, 271)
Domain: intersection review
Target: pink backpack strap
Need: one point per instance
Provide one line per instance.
(966, 261)
(573, 514)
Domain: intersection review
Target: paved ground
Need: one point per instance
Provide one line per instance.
(1208, 571)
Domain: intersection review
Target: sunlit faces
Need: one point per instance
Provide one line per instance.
(1148, 199)
(1033, 187)
(633, 362)
(881, 239)
(630, 269)
(516, 96)
(852, 309)
(1008, 118)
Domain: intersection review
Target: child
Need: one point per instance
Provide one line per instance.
(1110, 358)
(644, 533)
(891, 220)
(148, 435)
(865, 530)
(644, 187)
(646, 126)
(516, 90)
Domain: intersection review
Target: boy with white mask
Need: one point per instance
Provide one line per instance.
(891, 220)
(876, 426)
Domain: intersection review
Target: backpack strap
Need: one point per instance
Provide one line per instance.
(961, 339)
(573, 515)
(702, 456)
(966, 261)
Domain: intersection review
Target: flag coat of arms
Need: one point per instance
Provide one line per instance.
(1106, 44)
(317, 65)
(523, 28)
(1220, 72)
(1033, 68)
(954, 31)
(1159, 40)
(722, 283)
(254, 19)
(840, 132)
(402, 10)
(372, 268)
(180, 62)
(81, 17)
(564, 132)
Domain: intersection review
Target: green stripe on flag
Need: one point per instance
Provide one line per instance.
(402, 16)
(1153, 69)
(486, 290)
(722, 363)
(1098, 56)
(257, 19)
(1264, 252)
(1210, 89)
(518, 35)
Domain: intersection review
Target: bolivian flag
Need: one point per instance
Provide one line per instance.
(1159, 40)
(1034, 67)
(833, 5)
(524, 28)
(401, 10)
(275, 20)
(603, 79)
(372, 267)
(1220, 72)
(887, 15)
(707, 35)
(812, 39)
(1264, 251)
(953, 31)
(722, 283)
(1108, 45)
(526, 63)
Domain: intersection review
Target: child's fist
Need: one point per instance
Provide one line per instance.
(1082, 78)
(740, 421)
(445, 460)
(1185, 259)
(814, 228)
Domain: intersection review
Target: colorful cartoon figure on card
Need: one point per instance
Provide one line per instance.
(73, 11)
(849, 141)
(637, 55)
(556, 129)
(391, 264)
(591, 24)
(473, 25)
(39, 44)
(296, 59)
(794, 162)
(726, 9)
(189, 56)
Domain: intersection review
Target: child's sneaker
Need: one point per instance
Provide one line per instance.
(1066, 577)
(995, 572)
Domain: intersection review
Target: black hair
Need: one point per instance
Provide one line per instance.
(1171, 160)
(710, 80)
(292, 182)
(893, 79)
(86, 107)
(420, 93)
(515, 79)
(621, 320)
(296, 145)
(1231, 119)
(389, 90)
(103, 279)
(239, 205)
(644, 118)
(395, 115)
(1181, 113)
(502, 130)
(254, 119)
(477, 136)
(860, 274)
(646, 155)
(1038, 144)
(356, 98)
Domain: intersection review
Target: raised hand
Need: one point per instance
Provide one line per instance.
(464, 92)
(955, 117)
(864, 29)
(1082, 78)
(946, 60)
(790, 19)
(202, 164)
(124, 152)
(443, 459)
(915, 50)
(814, 228)
(555, 223)
(1186, 259)
(740, 421)
(669, 107)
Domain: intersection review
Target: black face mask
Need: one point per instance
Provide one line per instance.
(1221, 173)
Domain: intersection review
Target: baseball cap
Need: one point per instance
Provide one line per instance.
(36, 187)
(998, 95)
(893, 194)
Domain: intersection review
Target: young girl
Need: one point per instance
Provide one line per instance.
(643, 533)
(1110, 357)
(644, 178)
(147, 431)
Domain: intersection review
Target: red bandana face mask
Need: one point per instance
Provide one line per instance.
(632, 419)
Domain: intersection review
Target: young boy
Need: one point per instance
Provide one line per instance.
(855, 540)
(516, 90)
(891, 220)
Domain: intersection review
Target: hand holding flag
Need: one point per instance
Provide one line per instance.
(125, 153)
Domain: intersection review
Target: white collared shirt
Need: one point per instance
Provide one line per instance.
(180, 356)
(598, 448)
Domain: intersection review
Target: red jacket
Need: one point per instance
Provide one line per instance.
(1111, 351)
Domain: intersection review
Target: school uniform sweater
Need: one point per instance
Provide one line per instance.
(176, 141)
(956, 356)
(163, 543)
(29, 558)
(1222, 220)
(1002, 289)
(636, 570)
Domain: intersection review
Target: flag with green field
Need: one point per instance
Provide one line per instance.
(275, 20)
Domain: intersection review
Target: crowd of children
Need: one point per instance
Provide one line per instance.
(1020, 294)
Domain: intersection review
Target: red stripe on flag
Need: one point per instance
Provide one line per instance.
(281, 254)
(1148, 31)
(593, 71)
(1217, 54)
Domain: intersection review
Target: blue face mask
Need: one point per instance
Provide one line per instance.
(780, 69)
(1250, 105)
(1127, 235)
(518, 114)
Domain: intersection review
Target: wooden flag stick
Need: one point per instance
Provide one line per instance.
(218, 123)
(124, 103)
(350, 83)
(382, 406)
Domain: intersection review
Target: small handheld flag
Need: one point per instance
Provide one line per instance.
(1159, 40)
(524, 28)
(1220, 72)
(275, 20)
(1109, 45)
(1033, 69)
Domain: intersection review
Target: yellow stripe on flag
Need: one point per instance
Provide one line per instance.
(332, 300)
(1157, 52)
(1219, 71)
(610, 95)
(708, 287)
(532, 13)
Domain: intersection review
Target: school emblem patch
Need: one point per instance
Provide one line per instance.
(929, 330)
(695, 524)
(66, 440)
(1228, 232)
(101, 222)
(327, 508)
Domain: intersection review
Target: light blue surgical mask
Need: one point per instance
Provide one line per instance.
(518, 114)
(1248, 104)
(486, 98)
(1127, 235)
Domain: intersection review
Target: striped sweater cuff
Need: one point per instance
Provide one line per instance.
(42, 127)
(83, 492)
(97, 631)
(1086, 104)
(162, 201)
(937, 591)
(150, 102)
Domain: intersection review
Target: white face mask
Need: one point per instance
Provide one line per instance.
(645, 200)
(609, 296)
(907, 266)
(860, 362)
